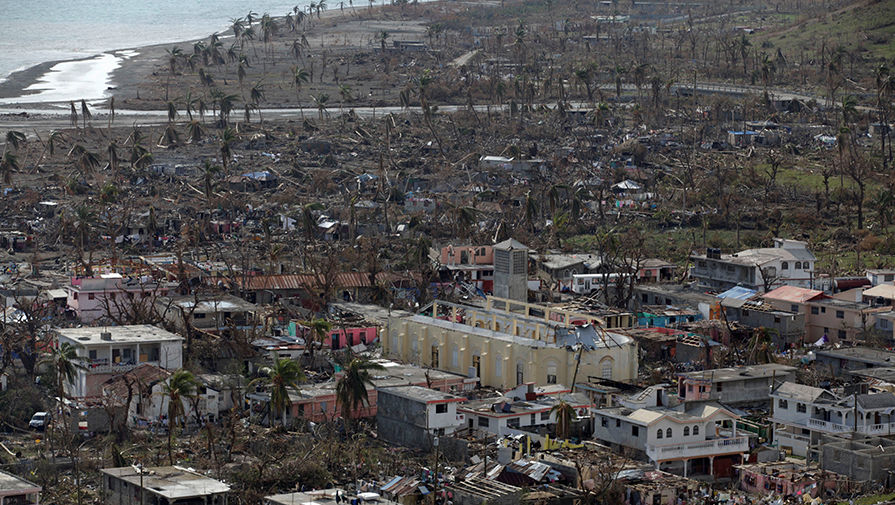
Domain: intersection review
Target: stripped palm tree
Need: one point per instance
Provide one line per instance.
(300, 77)
(111, 111)
(73, 115)
(49, 146)
(228, 138)
(195, 132)
(85, 113)
(257, 97)
(9, 163)
(113, 156)
(563, 412)
(227, 103)
(319, 330)
(209, 172)
(320, 101)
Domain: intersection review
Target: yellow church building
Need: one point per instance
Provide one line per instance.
(507, 343)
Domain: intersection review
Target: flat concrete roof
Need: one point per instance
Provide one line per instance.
(132, 334)
(741, 372)
(171, 482)
(14, 485)
(523, 407)
(420, 394)
(864, 354)
(220, 303)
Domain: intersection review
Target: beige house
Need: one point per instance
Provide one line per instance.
(508, 343)
(839, 320)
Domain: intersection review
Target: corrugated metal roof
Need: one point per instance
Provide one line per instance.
(311, 281)
(793, 294)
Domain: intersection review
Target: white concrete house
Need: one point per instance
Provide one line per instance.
(803, 414)
(788, 263)
(111, 350)
(698, 440)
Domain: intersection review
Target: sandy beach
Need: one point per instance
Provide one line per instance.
(138, 77)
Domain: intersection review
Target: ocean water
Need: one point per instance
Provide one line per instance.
(36, 31)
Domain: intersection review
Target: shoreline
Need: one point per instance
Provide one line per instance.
(125, 79)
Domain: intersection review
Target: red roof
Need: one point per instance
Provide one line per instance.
(793, 294)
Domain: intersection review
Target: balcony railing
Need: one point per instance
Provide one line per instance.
(878, 429)
(698, 449)
(828, 426)
(103, 366)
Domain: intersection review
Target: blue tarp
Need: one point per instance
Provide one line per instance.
(738, 293)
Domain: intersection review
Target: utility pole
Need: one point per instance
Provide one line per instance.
(435, 486)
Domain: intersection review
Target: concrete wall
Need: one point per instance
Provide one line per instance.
(619, 435)
(401, 433)
(852, 323)
(858, 460)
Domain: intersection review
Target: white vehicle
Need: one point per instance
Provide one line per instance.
(588, 283)
(39, 421)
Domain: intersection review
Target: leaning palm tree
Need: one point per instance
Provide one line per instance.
(14, 139)
(563, 413)
(351, 389)
(284, 375)
(85, 161)
(182, 385)
(8, 164)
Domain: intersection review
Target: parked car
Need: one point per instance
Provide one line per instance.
(39, 421)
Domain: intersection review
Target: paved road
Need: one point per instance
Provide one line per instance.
(43, 119)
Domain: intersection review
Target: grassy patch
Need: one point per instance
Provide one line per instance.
(868, 29)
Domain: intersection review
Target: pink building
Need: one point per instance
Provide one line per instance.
(91, 298)
(467, 255)
(341, 338)
(470, 263)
